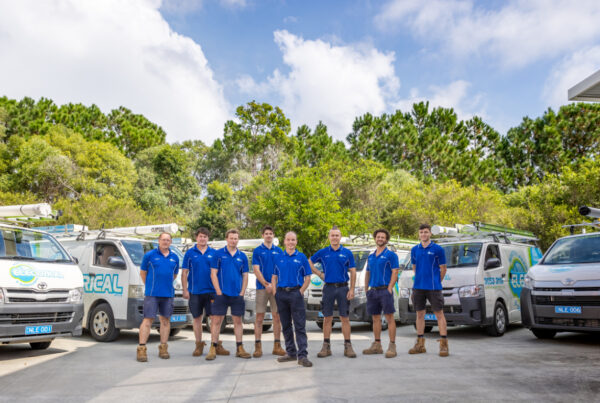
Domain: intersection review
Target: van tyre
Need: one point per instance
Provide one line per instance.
(174, 332)
(543, 333)
(40, 345)
(266, 328)
(499, 321)
(320, 324)
(102, 324)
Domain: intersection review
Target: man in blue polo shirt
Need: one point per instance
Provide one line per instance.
(158, 270)
(380, 278)
(197, 286)
(336, 262)
(429, 263)
(291, 279)
(229, 275)
(263, 263)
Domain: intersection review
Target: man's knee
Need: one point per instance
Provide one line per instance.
(421, 314)
(237, 320)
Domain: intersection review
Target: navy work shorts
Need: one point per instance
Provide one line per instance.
(332, 294)
(222, 302)
(380, 300)
(435, 298)
(161, 305)
(200, 303)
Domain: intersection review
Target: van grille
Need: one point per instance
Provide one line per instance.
(574, 322)
(16, 295)
(35, 318)
(584, 300)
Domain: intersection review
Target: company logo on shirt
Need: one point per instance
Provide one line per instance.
(274, 252)
(172, 260)
(430, 253)
(238, 259)
(342, 255)
(209, 256)
(296, 261)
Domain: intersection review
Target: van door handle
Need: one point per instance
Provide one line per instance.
(503, 274)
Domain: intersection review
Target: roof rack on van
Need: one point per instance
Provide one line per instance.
(26, 213)
(479, 229)
(81, 231)
(586, 212)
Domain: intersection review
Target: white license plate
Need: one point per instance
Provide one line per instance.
(567, 309)
(178, 318)
(430, 316)
(45, 329)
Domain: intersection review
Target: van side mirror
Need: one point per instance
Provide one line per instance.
(402, 267)
(116, 261)
(75, 260)
(492, 263)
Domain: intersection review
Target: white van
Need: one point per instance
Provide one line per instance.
(113, 289)
(487, 265)
(41, 286)
(562, 292)
(358, 305)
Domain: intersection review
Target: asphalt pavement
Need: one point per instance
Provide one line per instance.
(515, 367)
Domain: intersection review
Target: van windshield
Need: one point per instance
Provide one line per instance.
(137, 250)
(463, 254)
(22, 244)
(584, 249)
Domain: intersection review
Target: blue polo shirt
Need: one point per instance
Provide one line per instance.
(427, 262)
(336, 263)
(161, 270)
(230, 270)
(291, 269)
(198, 264)
(265, 258)
(380, 267)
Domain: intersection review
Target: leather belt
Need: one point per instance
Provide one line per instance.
(288, 288)
(338, 284)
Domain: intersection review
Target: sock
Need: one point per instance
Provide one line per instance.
(257, 342)
(142, 344)
(347, 341)
(393, 342)
(378, 340)
(420, 335)
(215, 345)
(326, 340)
(238, 343)
(445, 337)
(277, 341)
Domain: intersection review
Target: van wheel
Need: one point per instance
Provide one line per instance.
(320, 324)
(499, 321)
(543, 333)
(41, 345)
(174, 332)
(102, 324)
(426, 330)
(266, 327)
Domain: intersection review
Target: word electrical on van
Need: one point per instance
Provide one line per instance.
(562, 292)
(40, 284)
(113, 289)
(487, 265)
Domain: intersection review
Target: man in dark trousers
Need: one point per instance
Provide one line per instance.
(291, 279)
(429, 263)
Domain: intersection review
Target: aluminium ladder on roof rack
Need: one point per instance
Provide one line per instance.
(479, 229)
(25, 213)
(81, 231)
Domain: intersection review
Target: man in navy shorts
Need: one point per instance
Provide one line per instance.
(380, 278)
(198, 287)
(158, 270)
(229, 275)
(336, 261)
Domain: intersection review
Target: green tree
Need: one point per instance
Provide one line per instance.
(216, 210)
(313, 148)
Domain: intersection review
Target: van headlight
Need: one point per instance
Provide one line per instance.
(405, 292)
(471, 291)
(75, 295)
(528, 282)
(250, 294)
(136, 291)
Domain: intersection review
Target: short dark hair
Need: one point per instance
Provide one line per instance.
(202, 230)
(163, 233)
(267, 228)
(386, 232)
(425, 226)
(231, 231)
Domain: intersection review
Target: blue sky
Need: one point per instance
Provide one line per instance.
(187, 64)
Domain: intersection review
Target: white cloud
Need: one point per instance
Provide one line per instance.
(518, 33)
(569, 72)
(111, 53)
(331, 83)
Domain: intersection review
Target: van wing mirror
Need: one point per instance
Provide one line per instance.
(75, 260)
(116, 261)
(492, 263)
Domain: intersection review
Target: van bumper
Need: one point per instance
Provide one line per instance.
(471, 311)
(135, 314)
(65, 320)
(357, 311)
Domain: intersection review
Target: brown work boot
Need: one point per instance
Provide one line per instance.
(162, 351)
(444, 347)
(277, 350)
(212, 353)
(391, 351)
(199, 348)
(220, 349)
(348, 351)
(142, 354)
(374, 349)
(419, 346)
(325, 350)
(257, 350)
(242, 353)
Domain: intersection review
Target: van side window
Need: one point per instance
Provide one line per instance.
(492, 251)
(102, 251)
